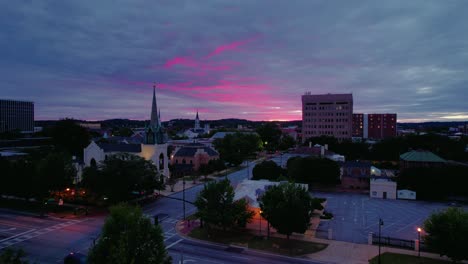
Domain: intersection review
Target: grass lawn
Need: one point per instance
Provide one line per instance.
(393, 258)
(274, 244)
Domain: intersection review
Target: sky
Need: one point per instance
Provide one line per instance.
(244, 59)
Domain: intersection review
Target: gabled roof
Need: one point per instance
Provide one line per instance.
(421, 156)
(191, 149)
(129, 148)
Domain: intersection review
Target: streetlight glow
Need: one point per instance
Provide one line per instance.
(419, 230)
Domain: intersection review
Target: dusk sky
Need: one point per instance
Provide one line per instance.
(97, 60)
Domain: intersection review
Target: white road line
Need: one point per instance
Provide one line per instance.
(167, 238)
(173, 244)
(20, 234)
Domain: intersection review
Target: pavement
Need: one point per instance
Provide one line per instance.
(48, 240)
(336, 251)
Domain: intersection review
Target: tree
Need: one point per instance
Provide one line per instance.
(447, 232)
(313, 170)
(54, 172)
(216, 206)
(120, 175)
(13, 256)
(268, 170)
(270, 134)
(234, 148)
(288, 208)
(69, 136)
(436, 183)
(129, 237)
(286, 142)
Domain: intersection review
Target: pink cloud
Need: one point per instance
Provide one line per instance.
(232, 46)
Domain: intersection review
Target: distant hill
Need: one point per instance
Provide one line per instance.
(180, 123)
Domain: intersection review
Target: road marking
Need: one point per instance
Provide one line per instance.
(20, 234)
(33, 233)
(7, 230)
(173, 244)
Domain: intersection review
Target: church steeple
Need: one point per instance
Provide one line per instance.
(154, 110)
(154, 133)
(197, 122)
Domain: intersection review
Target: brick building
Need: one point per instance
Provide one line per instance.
(188, 158)
(327, 115)
(355, 175)
(374, 126)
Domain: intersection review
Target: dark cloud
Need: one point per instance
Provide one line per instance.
(250, 59)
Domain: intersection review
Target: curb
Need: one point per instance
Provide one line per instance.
(244, 248)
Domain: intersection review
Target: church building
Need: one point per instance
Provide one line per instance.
(153, 147)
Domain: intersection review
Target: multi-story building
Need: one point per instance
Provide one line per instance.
(327, 115)
(374, 126)
(16, 115)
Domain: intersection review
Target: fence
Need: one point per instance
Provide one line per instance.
(398, 243)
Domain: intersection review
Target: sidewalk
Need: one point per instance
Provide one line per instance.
(336, 252)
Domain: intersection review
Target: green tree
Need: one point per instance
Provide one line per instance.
(13, 256)
(286, 142)
(129, 237)
(69, 136)
(270, 134)
(216, 206)
(54, 172)
(288, 207)
(120, 175)
(313, 170)
(234, 148)
(268, 170)
(447, 232)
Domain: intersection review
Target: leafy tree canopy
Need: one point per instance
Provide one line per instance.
(216, 206)
(120, 175)
(234, 148)
(129, 237)
(288, 208)
(268, 170)
(270, 134)
(447, 232)
(313, 170)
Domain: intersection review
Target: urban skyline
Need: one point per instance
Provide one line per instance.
(99, 62)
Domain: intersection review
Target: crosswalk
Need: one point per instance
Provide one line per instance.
(34, 233)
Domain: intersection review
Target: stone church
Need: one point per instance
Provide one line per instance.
(153, 147)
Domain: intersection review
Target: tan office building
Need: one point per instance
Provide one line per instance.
(327, 115)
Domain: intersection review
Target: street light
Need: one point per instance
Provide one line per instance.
(419, 242)
(381, 223)
(260, 216)
(183, 194)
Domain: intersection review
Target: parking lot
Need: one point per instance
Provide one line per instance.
(355, 215)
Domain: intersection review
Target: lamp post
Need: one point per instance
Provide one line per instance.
(183, 194)
(260, 216)
(419, 242)
(381, 223)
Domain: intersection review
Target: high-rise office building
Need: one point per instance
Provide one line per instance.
(16, 115)
(374, 126)
(327, 115)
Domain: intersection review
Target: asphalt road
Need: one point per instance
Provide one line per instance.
(48, 240)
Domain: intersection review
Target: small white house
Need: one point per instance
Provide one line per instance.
(383, 188)
(406, 194)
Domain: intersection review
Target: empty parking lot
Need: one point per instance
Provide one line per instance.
(356, 215)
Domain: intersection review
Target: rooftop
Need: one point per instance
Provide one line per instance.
(421, 156)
